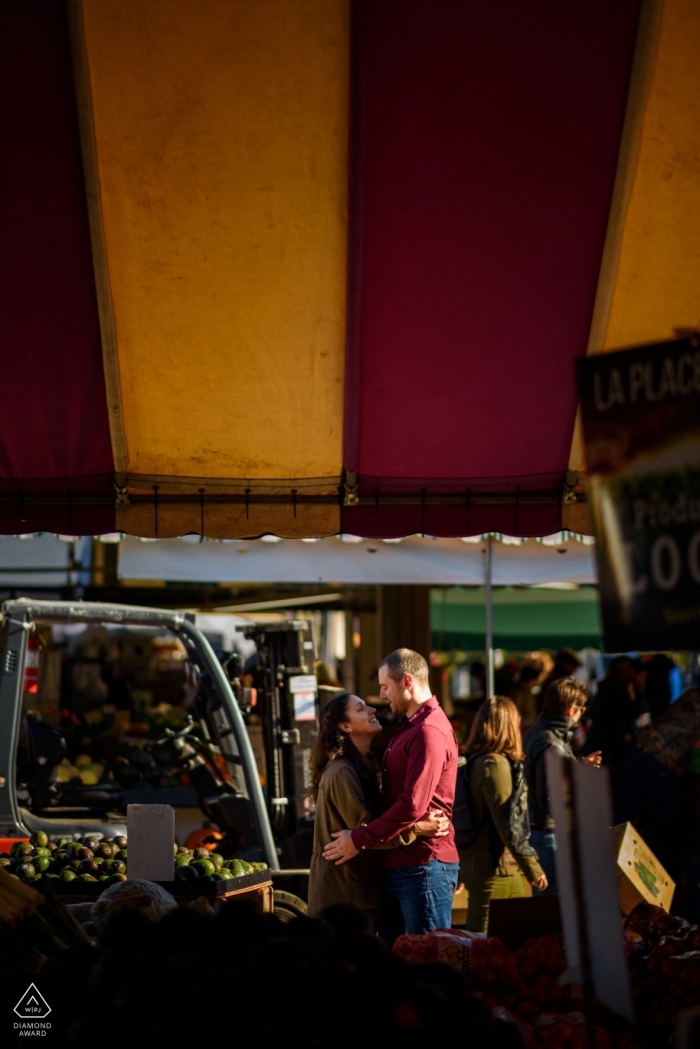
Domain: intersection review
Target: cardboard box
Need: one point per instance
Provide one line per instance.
(640, 876)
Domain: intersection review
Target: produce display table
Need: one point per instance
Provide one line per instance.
(256, 886)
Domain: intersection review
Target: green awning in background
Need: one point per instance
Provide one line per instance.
(524, 618)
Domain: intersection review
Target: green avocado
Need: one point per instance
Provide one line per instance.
(25, 870)
(217, 859)
(236, 868)
(42, 863)
(181, 861)
(40, 837)
(67, 874)
(186, 873)
(120, 840)
(114, 878)
(86, 877)
(203, 867)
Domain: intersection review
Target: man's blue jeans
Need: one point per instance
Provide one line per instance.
(424, 894)
(545, 845)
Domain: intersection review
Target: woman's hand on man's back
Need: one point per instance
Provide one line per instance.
(435, 825)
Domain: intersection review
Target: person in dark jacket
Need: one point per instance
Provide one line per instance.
(562, 706)
(616, 714)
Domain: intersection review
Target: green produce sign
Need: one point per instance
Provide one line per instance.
(641, 424)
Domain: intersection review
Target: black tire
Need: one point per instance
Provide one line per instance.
(288, 906)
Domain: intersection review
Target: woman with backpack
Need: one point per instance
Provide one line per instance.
(492, 824)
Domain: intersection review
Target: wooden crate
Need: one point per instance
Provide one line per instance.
(257, 886)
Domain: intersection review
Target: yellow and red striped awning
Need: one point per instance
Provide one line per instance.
(318, 266)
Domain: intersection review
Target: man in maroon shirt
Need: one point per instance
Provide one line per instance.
(419, 772)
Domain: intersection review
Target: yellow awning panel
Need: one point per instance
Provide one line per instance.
(657, 288)
(221, 140)
(649, 284)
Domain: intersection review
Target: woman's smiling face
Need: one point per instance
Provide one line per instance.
(360, 720)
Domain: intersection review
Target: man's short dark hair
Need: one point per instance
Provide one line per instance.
(405, 661)
(562, 694)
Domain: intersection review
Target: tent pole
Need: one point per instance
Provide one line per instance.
(490, 681)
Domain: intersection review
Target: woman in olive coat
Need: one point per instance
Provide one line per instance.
(492, 867)
(345, 785)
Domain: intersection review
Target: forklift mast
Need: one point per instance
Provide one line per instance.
(284, 677)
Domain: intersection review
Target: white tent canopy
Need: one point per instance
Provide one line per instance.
(560, 559)
(40, 560)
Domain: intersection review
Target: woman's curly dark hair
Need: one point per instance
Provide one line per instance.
(331, 742)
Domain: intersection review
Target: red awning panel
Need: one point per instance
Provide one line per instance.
(485, 149)
(54, 436)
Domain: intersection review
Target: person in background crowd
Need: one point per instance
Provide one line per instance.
(490, 868)
(663, 684)
(419, 774)
(566, 663)
(562, 706)
(477, 672)
(522, 694)
(506, 676)
(615, 714)
(639, 683)
(345, 787)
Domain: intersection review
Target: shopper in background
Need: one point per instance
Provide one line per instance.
(345, 787)
(490, 868)
(566, 663)
(562, 706)
(616, 714)
(523, 696)
(663, 684)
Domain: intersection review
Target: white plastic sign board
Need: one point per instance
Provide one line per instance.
(591, 812)
(150, 831)
(558, 786)
(303, 683)
(603, 917)
(304, 706)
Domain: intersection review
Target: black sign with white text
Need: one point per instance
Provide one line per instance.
(641, 424)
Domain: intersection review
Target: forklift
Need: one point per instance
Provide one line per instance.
(263, 807)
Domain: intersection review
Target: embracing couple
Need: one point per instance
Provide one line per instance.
(388, 848)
